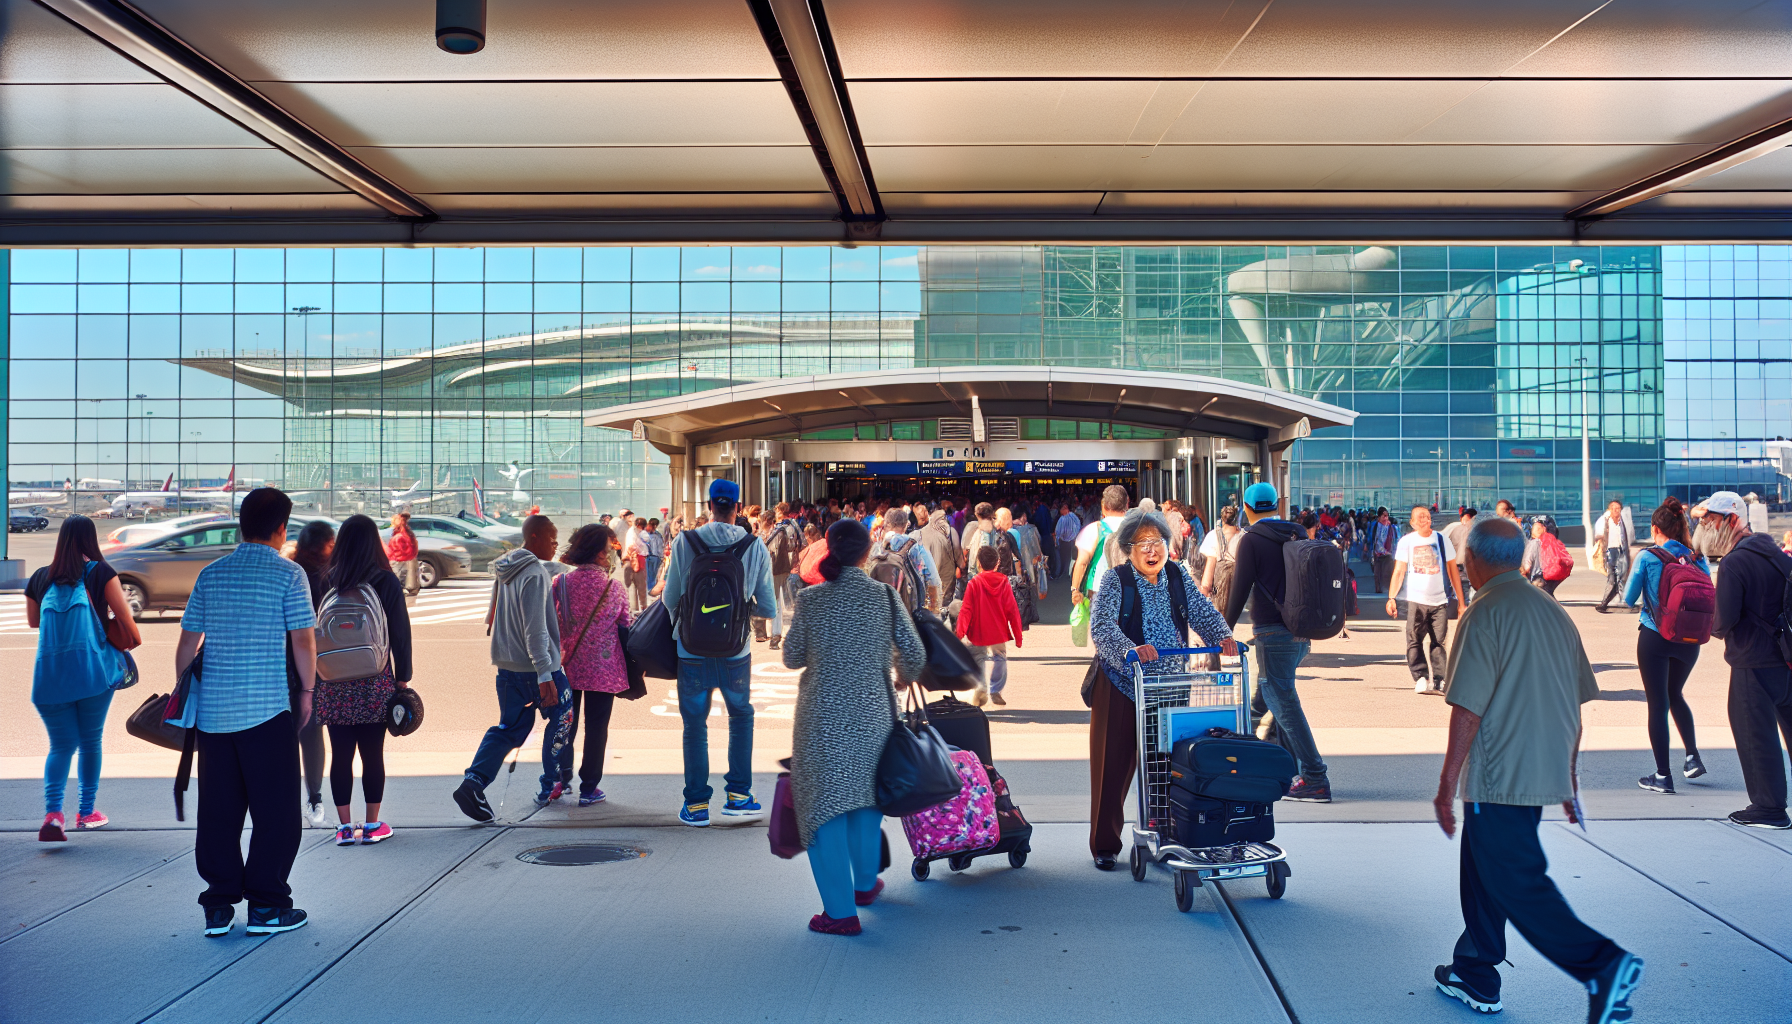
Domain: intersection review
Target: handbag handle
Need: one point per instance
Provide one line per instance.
(601, 598)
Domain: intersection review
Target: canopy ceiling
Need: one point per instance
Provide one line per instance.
(935, 121)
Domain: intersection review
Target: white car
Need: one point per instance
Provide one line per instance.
(486, 526)
(137, 533)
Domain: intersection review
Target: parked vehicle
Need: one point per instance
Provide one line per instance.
(26, 522)
(489, 527)
(137, 533)
(481, 547)
(438, 558)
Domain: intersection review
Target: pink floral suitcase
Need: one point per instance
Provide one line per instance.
(964, 823)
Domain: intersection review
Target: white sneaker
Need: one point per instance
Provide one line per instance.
(1421, 685)
(314, 813)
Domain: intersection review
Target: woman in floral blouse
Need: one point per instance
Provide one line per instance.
(591, 605)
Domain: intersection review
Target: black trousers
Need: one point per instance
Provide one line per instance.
(1066, 556)
(1664, 666)
(595, 708)
(1384, 573)
(1760, 701)
(1427, 622)
(370, 740)
(254, 771)
(311, 750)
(1113, 758)
(1505, 877)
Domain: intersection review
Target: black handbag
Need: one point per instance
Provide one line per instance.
(651, 645)
(146, 723)
(1091, 676)
(949, 663)
(637, 678)
(916, 770)
(404, 712)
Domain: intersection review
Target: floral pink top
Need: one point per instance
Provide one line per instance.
(598, 665)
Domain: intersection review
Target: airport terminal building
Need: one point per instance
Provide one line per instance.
(588, 379)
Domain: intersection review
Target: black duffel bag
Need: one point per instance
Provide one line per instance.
(916, 770)
(1227, 766)
(1202, 821)
(651, 644)
(949, 663)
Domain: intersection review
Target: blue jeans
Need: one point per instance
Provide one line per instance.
(844, 859)
(651, 569)
(696, 678)
(518, 695)
(1279, 656)
(77, 724)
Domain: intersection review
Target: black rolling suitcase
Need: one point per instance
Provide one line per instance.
(962, 725)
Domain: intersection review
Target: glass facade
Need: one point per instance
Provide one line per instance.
(345, 373)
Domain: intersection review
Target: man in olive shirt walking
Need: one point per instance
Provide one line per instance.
(1517, 676)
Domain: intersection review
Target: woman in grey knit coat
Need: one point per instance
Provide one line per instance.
(845, 635)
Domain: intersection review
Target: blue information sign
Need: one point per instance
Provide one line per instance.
(1073, 467)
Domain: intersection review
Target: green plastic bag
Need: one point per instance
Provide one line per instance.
(1079, 622)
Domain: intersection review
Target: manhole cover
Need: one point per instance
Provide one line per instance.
(582, 853)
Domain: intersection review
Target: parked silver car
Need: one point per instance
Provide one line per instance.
(159, 573)
(438, 558)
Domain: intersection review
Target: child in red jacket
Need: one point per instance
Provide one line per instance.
(987, 620)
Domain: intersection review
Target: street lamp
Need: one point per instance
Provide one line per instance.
(1586, 458)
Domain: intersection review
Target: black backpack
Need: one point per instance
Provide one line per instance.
(897, 569)
(1313, 587)
(713, 613)
(1132, 615)
(1782, 626)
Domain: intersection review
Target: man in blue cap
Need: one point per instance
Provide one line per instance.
(1259, 579)
(719, 576)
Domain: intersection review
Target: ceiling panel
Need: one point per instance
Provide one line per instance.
(599, 169)
(997, 113)
(1123, 204)
(1496, 168)
(1313, 112)
(129, 171)
(74, 116)
(394, 40)
(1706, 38)
(638, 203)
(1607, 111)
(545, 113)
(1003, 203)
(332, 204)
(37, 46)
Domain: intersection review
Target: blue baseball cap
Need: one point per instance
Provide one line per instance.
(1261, 497)
(724, 490)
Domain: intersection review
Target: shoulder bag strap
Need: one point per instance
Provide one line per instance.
(580, 639)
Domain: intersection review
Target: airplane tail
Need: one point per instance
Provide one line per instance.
(593, 500)
(168, 484)
(478, 499)
(230, 481)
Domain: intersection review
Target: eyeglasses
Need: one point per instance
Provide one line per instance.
(1148, 545)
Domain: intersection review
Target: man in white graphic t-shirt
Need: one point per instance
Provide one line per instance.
(1425, 563)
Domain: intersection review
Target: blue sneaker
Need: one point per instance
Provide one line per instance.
(694, 814)
(741, 805)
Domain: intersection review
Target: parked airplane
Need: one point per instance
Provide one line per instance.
(416, 494)
(515, 476)
(165, 498)
(29, 498)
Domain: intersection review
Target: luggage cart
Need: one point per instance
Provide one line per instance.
(1153, 834)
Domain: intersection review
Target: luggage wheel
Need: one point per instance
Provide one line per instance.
(1138, 863)
(919, 869)
(1276, 880)
(1186, 884)
(1017, 858)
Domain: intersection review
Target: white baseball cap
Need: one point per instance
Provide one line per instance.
(1725, 503)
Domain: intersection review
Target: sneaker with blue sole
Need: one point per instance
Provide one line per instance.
(694, 814)
(1609, 991)
(741, 805)
(1450, 985)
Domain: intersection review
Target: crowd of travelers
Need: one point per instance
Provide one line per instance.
(837, 588)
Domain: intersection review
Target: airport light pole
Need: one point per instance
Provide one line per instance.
(1586, 459)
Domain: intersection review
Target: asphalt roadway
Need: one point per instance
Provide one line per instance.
(444, 922)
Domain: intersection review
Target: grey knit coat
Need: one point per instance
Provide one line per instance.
(845, 636)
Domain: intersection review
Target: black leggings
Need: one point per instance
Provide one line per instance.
(1665, 665)
(344, 740)
(596, 708)
(311, 751)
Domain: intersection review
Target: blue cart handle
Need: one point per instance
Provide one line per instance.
(1178, 652)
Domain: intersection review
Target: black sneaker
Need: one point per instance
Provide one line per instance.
(1608, 993)
(1693, 767)
(217, 921)
(1450, 985)
(1753, 818)
(269, 920)
(1657, 783)
(1309, 792)
(471, 798)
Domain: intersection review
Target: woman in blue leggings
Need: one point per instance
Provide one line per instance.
(67, 602)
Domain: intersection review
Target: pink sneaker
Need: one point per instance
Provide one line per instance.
(94, 820)
(374, 832)
(52, 829)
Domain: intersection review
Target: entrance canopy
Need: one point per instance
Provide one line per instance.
(342, 122)
(1183, 404)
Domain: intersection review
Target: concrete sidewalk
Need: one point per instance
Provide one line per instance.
(445, 923)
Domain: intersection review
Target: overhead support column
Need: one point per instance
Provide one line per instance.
(121, 26)
(1740, 151)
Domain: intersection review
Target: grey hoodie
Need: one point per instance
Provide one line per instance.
(525, 631)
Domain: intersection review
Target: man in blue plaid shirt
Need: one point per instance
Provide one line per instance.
(245, 606)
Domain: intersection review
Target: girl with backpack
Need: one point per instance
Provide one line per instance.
(1665, 664)
(354, 710)
(591, 607)
(77, 666)
(312, 553)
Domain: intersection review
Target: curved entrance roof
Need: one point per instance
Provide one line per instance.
(1185, 403)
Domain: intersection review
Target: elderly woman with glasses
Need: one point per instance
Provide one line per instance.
(1147, 603)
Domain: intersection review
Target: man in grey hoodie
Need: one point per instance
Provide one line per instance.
(526, 651)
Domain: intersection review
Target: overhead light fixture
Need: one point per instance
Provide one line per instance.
(460, 25)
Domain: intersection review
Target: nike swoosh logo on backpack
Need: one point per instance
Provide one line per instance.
(706, 609)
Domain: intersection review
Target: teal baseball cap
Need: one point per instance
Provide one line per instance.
(1261, 497)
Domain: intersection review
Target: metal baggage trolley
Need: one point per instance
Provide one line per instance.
(1157, 698)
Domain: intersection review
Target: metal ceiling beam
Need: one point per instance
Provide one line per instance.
(795, 31)
(124, 28)
(1741, 151)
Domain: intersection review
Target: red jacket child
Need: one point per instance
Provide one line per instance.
(989, 614)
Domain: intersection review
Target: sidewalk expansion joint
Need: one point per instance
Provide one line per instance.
(1269, 974)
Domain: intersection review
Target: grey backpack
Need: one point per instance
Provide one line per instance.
(351, 635)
